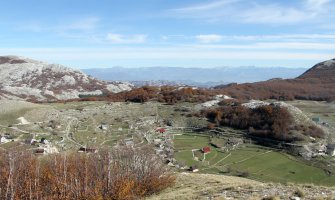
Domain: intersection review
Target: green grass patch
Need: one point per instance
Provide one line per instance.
(259, 163)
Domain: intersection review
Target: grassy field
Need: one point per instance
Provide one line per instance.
(252, 161)
(323, 110)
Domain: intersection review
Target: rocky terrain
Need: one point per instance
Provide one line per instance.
(220, 187)
(27, 79)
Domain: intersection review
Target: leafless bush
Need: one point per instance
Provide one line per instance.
(118, 174)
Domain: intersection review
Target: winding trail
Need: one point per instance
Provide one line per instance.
(68, 130)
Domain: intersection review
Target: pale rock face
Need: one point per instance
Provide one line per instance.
(68, 80)
(298, 116)
(329, 63)
(23, 121)
(119, 87)
(24, 78)
(209, 104)
(255, 104)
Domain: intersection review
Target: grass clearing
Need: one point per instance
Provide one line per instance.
(260, 163)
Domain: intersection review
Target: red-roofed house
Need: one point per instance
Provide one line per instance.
(206, 149)
(161, 130)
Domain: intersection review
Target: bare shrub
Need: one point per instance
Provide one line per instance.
(118, 174)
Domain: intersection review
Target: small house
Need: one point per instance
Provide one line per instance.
(44, 141)
(3, 139)
(86, 150)
(206, 149)
(33, 141)
(316, 119)
(103, 127)
(193, 168)
(39, 151)
(161, 130)
(331, 149)
(129, 143)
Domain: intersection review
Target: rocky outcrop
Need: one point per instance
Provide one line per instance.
(23, 78)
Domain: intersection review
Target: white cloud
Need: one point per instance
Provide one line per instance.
(208, 6)
(126, 39)
(89, 23)
(83, 24)
(273, 14)
(280, 41)
(174, 53)
(259, 12)
(317, 5)
(209, 38)
(273, 46)
(280, 37)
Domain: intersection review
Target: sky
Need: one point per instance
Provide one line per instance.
(173, 33)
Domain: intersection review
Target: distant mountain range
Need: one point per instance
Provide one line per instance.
(204, 77)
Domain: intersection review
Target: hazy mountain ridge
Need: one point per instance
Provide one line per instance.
(23, 78)
(196, 75)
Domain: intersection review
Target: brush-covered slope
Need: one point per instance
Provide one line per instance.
(24, 78)
(324, 70)
(317, 83)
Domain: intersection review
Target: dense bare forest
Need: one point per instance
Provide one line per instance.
(270, 121)
(118, 174)
(317, 83)
(302, 89)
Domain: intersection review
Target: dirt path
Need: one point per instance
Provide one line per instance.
(248, 158)
(14, 128)
(68, 130)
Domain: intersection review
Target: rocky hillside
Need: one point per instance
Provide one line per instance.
(208, 186)
(324, 70)
(23, 78)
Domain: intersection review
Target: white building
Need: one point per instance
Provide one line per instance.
(4, 140)
(331, 149)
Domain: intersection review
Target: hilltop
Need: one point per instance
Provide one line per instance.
(27, 79)
(324, 70)
(317, 83)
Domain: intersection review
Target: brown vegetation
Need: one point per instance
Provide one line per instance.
(120, 174)
(303, 89)
(165, 94)
(270, 121)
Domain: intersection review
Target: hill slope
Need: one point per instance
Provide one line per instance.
(23, 78)
(317, 83)
(323, 70)
(210, 186)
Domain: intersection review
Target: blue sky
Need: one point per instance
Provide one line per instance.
(176, 33)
